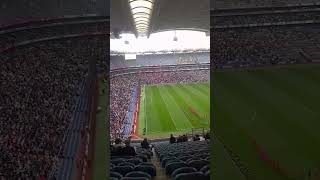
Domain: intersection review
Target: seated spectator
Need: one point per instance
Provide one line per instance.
(128, 150)
(196, 137)
(145, 144)
(207, 136)
(172, 139)
(184, 138)
(117, 147)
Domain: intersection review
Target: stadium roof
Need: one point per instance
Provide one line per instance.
(16, 11)
(164, 15)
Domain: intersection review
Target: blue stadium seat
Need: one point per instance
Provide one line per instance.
(198, 164)
(146, 163)
(168, 161)
(184, 158)
(203, 155)
(192, 159)
(151, 170)
(183, 170)
(117, 161)
(115, 175)
(135, 161)
(190, 176)
(205, 168)
(135, 178)
(127, 164)
(143, 157)
(121, 157)
(138, 174)
(173, 166)
(122, 169)
(207, 174)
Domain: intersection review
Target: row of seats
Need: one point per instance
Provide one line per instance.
(132, 167)
(187, 160)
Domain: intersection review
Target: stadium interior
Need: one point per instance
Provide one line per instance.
(60, 91)
(52, 56)
(159, 68)
(265, 57)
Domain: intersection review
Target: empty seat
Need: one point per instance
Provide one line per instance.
(198, 164)
(146, 163)
(192, 159)
(170, 161)
(203, 156)
(151, 170)
(135, 178)
(127, 164)
(115, 175)
(143, 157)
(166, 159)
(117, 161)
(207, 174)
(122, 169)
(121, 157)
(183, 170)
(205, 168)
(135, 161)
(184, 158)
(173, 166)
(138, 174)
(190, 176)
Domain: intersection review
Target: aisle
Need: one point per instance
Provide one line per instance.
(161, 173)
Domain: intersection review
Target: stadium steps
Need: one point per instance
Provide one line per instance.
(161, 174)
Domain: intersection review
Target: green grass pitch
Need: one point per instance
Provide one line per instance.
(277, 107)
(176, 109)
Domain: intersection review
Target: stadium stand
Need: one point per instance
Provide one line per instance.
(265, 36)
(183, 160)
(244, 4)
(48, 77)
(249, 35)
(124, 81)
(118, 62)
(152, 61)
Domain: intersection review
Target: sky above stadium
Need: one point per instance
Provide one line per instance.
(161, 41)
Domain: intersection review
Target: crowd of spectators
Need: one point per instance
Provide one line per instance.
(118, 148)
(262, 46)
(184, 138)
(48, 30)
(231, 4)
(39, 85)
(259, 18)
(122, 149)
(121, 87)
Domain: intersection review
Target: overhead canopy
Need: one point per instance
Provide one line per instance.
(15, 11)
(150, 16)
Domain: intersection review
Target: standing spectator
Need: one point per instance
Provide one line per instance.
(172, 139)
(128, 150)
(117, 147)
(196, 137)
(145, 144)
